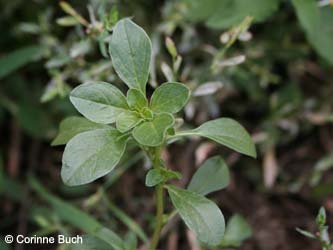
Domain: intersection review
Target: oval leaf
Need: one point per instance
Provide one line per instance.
(152, 133)
(136, 100)
(213, 175)
(91, 155)
(154, 177)
(130, 50)
(228, 132)
(72, 126)
(314, 21)
(100, 102)
(170, 97)
(238, 230)
(127, 120)
(200, 214)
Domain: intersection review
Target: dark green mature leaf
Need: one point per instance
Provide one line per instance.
(130, 50)
(228, 132)
(237, 230)
(213, 175)
(72, 126)
(317, 23)
(18, 58)
(90, 243)
(127, 120)
(136, 100)
(91, 155)
(100, 102)
(77, 218)
(227, 13)
(200, 10)
(200, 214)
(170, 97)
(152, 133)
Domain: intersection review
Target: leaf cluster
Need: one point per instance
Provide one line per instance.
(96, 144)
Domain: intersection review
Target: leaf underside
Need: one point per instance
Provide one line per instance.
(130, 50)
(200, 214)
(91, 155)
(100, 102)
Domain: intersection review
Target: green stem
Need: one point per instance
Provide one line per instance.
(159, 192)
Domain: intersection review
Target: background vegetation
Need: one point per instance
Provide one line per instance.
(267, 64)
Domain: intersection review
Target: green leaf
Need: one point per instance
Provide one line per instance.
(90, 243)
(100, 102)
(321, 217)
(227, 132)
(200, 214)
(170, 97)
(154, 177)
(213, 175)
(131, 241)
(72, 126)
(91, 155)
(77, 218)
(306, 233)
(227, 13)
(130, 50)
(127, 120)
(157, 176)
(152, 133)
(237, 230)
(18, 58)
(317, 23)
(136, 100)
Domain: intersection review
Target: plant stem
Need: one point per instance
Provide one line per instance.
(159, 192)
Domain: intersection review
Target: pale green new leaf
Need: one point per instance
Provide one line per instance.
(170, 97)
(317, 23)
(130, 50)
(152, 133)
(227, 132)
(72, 126)
(213, 175)
(154, 177)
(136, 100)
(200, 214)
(237, 230)
(100, 102)
(91, 155)
(127, 120)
